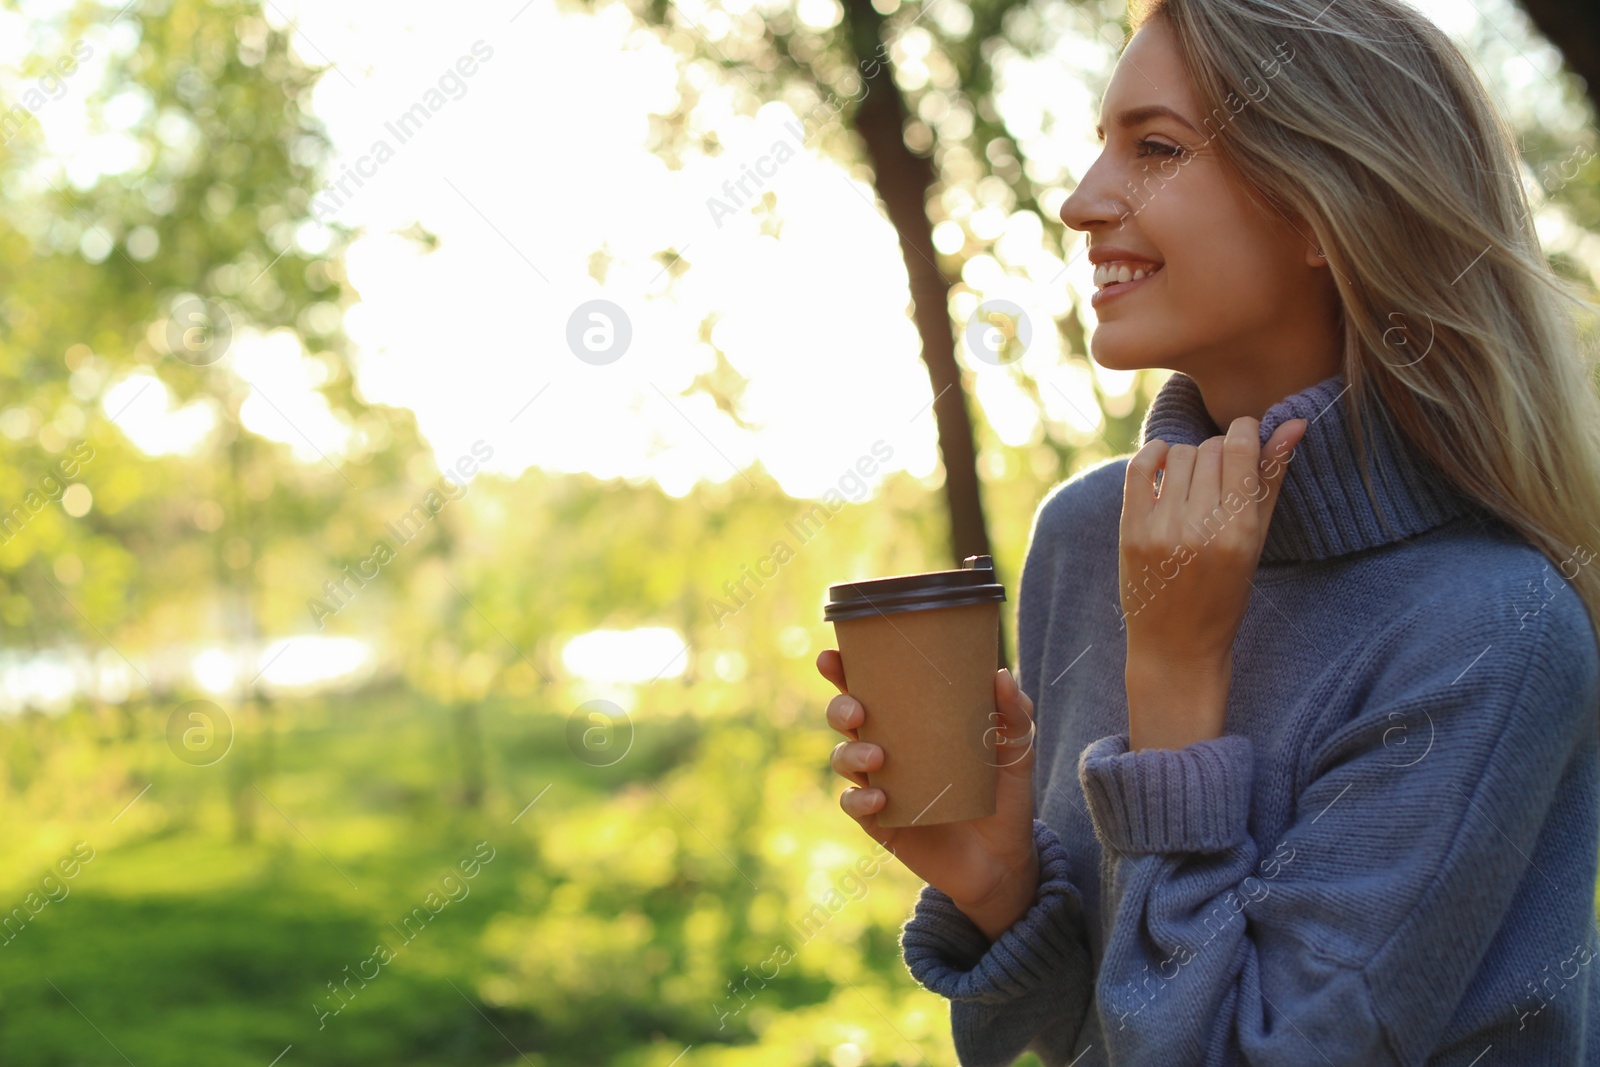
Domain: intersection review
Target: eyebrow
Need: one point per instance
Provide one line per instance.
(1136, 115)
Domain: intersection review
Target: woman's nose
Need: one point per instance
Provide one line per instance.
(1094, 202)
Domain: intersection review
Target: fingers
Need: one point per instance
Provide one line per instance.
(1139, 488)
(1284, 440)
(1277, 453)
(1205, 484)
(1012, 701)
(831, 666)
(1241, 448)
(853, 759)
(860, 804)
(845, 714)
(1229, 464)
(1013, 750)
(1179, 473)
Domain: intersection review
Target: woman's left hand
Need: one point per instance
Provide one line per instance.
(1186, 559)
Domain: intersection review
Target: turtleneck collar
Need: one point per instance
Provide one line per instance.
(1323, 509)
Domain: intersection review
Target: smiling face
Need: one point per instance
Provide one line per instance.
(1237, 289)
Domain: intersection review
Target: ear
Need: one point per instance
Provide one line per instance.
(1308, 234)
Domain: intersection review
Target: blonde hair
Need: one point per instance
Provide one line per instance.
(1378, 141)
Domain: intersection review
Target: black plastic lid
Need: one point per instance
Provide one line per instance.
(973, 584)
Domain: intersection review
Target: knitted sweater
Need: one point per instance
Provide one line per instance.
(1390, 855)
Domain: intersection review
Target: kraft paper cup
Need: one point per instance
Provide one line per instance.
(920, 653)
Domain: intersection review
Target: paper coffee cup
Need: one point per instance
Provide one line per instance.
(920, 653)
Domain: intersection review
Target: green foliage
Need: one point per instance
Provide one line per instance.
(228, 156)
(606, 928)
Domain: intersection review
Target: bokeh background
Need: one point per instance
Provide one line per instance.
(424, 463)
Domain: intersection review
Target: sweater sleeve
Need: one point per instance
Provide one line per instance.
(1351, 936)
(1029, 990)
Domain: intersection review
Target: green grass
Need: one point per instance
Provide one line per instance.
(221, 903)
(180, 942)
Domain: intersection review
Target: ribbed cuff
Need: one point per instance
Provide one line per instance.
(1193, 799)
(949, 955)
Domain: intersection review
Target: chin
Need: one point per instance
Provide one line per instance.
(1115, 347)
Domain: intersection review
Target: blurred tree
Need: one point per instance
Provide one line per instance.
(1575, 30)
(852, 69)
(159, 268)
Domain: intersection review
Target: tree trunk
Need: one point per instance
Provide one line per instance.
(1575, 30)
(902, 179)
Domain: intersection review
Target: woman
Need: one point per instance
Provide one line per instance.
(1318, 689)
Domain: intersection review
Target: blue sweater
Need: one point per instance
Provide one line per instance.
(1390, 856)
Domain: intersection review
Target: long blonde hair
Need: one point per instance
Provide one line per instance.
(1363, 123)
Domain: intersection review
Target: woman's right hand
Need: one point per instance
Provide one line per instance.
(989, 867)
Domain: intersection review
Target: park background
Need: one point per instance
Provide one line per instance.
(403, 407)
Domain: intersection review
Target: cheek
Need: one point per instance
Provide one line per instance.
(1207, 312)
(1226, 263)
(1238, 291)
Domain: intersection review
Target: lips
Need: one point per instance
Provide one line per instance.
(1110, 283)
(1118, 271)
(1122, 271)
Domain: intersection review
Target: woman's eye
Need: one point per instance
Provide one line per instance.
(1157, 148)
